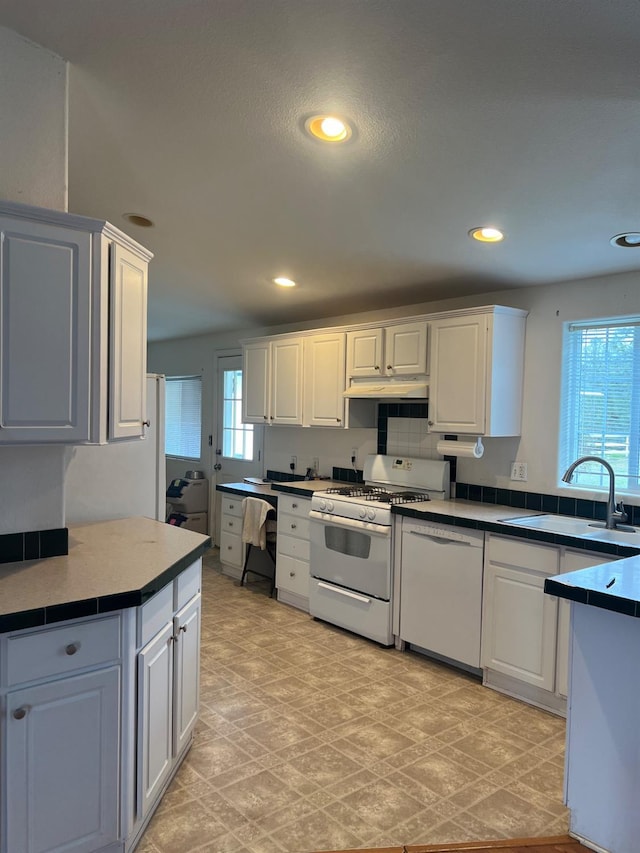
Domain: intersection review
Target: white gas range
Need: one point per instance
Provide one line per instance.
(351, 531)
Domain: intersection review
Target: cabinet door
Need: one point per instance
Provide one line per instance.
(45, 355)
(364, 353)
(62, 764)
(324, 380)
(571, 562)
(406, 349)
(255, 376)
(128, 344)
(186, 678)
(286, 381)
(519, 626)
(155, 717)
(457, 391)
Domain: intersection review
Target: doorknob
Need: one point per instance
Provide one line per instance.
(217, 467)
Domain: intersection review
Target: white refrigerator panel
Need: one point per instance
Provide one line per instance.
(124, 478)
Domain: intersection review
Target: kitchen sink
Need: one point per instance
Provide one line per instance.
(577, 527)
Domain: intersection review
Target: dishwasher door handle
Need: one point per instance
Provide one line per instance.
(441, 540)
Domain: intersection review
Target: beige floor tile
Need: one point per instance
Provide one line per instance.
(311, 738)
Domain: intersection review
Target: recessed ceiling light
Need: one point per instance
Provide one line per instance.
(138, 219)
(328, 128)
(284, 282)
(630, 240)
(486, 235)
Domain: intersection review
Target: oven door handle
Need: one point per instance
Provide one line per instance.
(344, 592)
(351, 523)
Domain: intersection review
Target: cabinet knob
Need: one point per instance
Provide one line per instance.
(232, 506)
(231, 524)
(265, 417)
(389, 367)
(229, 547)
(294, 506)
(20, 713)
(146, 423)
(293, 526)
(292, 574)
(377, 367)
(430, 423)
(71, 649)
(184, 628)
(339, 420)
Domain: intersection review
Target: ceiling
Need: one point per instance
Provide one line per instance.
(520, 114)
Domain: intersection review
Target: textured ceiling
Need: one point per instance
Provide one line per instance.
(523, 114)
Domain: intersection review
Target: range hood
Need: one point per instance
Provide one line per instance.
(392, 388)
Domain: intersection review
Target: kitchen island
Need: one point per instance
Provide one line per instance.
(99, 682)
(602, 775)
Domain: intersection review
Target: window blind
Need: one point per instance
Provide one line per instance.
(600, 409)
(183, 416)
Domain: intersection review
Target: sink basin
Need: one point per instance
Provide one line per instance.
(553, 524)
(576, 527)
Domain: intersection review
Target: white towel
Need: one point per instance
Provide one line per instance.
(254, 515)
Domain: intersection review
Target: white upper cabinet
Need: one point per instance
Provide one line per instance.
(395, 350)
(477, 362)
(323, 402)
(272, 371)
(73, 308)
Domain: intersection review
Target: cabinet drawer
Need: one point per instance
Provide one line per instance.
(231, 523)
(57, 651)
(294, 505)
(292, 575)
(232, 506)
(231, 549)
(293, 525)
(526, 555)
(187, 584)
(154, 614)
(298, 548)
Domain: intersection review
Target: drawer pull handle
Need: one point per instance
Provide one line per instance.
(293, 526)
(231, 524)
(20, 713)
(72, 648)
(232, 506)
(294, 506)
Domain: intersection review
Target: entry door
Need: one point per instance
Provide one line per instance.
(238, 446)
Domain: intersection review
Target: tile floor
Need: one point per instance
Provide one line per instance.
(311, 738)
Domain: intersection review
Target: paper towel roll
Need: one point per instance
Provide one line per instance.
(474, 450)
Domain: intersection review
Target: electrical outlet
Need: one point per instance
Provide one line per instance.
(519, 471)
(293, 463)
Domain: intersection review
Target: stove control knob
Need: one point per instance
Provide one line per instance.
(371, 514)
(363, 512)
(323, 505)
(330, 506)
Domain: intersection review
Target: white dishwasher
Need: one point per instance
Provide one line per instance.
(441, 590)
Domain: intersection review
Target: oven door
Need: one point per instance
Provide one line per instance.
(353, 554)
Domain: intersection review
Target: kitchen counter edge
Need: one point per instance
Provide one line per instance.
(111, 565)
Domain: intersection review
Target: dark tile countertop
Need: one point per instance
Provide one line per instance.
(590, 586)
(110, 565)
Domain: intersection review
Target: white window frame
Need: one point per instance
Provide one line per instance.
(235, 425)
(596, 419)
(186, 418)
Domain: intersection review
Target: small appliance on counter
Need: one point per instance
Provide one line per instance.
(188, 498)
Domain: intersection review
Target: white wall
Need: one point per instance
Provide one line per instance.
(33, 170)
(549, 307)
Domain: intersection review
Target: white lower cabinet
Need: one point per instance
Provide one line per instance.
(95, 716)
(168, 687)
(62, 764)
(292, 561)
(232, 549)
(519, 620)
(61, 689)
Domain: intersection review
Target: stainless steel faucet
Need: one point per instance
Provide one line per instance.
(615, 512)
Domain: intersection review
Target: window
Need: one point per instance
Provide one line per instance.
(237, 438)
(600, 413)
(183, 416)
